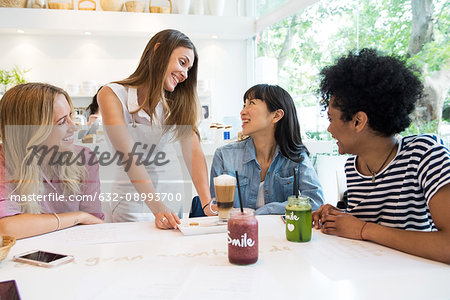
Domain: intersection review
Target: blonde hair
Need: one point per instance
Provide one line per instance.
(181, 105)
(26, 121)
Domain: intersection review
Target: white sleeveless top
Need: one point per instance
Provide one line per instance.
(142, 130)
(129, 100)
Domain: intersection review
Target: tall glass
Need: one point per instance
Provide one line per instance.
(242, 237)
(298, 219)
(224, 185)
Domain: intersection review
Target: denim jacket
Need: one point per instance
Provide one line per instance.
(278, 184)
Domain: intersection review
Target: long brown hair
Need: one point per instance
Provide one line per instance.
(181, 105)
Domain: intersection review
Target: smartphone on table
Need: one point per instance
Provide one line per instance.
(43, 258)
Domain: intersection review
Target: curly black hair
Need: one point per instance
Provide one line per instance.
(383, 87)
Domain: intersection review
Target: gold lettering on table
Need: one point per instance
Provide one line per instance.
(93, 261)
(213, 252)
(196, 254)
(275, 248)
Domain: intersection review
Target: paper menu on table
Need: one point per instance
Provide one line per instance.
(196, 226)
(95, 234)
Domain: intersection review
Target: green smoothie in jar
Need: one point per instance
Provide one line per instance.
(298, 219)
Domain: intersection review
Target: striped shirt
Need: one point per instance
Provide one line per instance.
(400, 194)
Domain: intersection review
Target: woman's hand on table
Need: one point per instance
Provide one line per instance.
(167, 220)
(322, 211)
(332, 220)
(342, 224)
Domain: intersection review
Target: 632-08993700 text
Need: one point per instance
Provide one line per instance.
(114, 197)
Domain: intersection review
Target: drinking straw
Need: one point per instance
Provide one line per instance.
(296, 196)
(239, 192)
(295, 183)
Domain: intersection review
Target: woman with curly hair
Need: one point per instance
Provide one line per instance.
(398, 188)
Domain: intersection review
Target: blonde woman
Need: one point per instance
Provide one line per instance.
(160, 92)
(46, 182)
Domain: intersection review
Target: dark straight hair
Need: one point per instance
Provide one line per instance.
(287, 131)
(93, 107)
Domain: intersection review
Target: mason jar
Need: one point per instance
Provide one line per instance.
(242, 237)
(298, 219)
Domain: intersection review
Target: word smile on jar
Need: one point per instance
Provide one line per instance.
(243, 242)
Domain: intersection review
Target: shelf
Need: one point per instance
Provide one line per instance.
(106, 23)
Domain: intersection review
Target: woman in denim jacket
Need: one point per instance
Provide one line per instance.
(266, 160)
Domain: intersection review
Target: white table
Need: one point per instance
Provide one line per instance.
(137, 261)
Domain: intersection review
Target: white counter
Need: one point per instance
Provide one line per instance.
(135, 260)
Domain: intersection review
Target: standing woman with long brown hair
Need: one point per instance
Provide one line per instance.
(160, 93)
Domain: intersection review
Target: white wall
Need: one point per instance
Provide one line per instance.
(224, 64)
(63, 60)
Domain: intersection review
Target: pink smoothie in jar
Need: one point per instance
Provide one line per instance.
(242, 237)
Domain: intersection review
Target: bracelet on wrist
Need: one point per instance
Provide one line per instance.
(204, 206)
(59, 221)
(361, 232)
(210, 207)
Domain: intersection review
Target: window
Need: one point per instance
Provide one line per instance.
(264, 7)
(295, 49)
